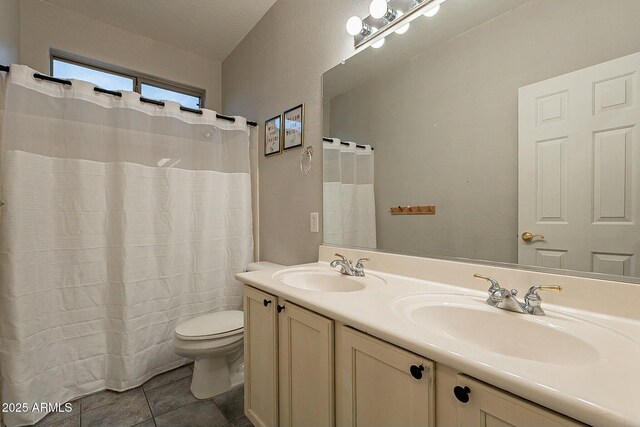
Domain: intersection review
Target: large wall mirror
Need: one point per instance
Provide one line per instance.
(507, 116)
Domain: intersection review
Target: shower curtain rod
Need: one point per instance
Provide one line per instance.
(346, 143)
(65, 82)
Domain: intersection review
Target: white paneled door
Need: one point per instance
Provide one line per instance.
(578, 163)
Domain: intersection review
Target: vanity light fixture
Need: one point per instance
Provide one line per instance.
(432, 10)
(379, 9)
(378, 44)
(388, 16)
(355, 27)
(404, 28)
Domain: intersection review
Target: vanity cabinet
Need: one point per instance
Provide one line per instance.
(487, 406)
(379, 384)
(294, 376)
(289, 375)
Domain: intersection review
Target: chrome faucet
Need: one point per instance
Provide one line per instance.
(358, 270)
(532, 300)
(505, 299)
(346, 266)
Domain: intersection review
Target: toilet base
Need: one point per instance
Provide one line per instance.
(216, 375)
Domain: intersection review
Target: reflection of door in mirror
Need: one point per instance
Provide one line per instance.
(578, 175)
(348, 200)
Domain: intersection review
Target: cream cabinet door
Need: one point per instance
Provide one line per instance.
(306, 368)
(380, 385)
(490, 407)
(260, 358)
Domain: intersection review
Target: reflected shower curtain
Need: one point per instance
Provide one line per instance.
(122, 220)
(349, 213)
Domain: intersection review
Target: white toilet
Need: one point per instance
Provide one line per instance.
(215, 342)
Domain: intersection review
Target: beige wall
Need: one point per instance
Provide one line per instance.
(444, 124)
(9, 32)
(278, 65)
(45, 26)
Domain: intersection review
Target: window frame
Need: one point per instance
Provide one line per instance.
(138, 78)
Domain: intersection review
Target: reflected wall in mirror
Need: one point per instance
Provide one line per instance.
(509, 116)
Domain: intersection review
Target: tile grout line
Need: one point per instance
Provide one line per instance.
(144, 392)
(229, 422)
(175, 409)
(220, 409)
(81, 409)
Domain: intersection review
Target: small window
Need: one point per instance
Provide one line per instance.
(155, 92)
(103, 79)
(114, 78)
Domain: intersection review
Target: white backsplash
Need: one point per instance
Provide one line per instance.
(602, 296)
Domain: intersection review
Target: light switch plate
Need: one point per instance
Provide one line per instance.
(313, 222)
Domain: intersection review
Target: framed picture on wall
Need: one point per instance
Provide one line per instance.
(273, 136)
(293, 127)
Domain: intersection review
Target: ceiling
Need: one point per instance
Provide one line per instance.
(210, 28)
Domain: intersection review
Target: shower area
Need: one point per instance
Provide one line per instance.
(121, 220)
(348, 197)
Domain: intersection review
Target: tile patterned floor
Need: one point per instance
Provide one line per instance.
(163, 401)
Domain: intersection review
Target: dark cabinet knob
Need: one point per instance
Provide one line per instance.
(416, 371)
(266, 302)
(280, 308)
(462, 393)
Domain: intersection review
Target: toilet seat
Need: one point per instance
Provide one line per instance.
(212, 326)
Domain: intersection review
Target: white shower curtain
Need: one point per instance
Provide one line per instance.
(348, 198)
(122, 220)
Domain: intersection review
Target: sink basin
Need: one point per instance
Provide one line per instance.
(325, 280)
(553, 338)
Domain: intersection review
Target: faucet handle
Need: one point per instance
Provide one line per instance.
(341, 256)
(359, 268)
(532, 300)
(533, 291)
(494, 283)
(360, 261)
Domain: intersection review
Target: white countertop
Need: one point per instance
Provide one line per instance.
(602, 393)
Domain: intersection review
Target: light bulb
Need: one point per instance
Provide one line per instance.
(432, 11)
(354, 25)
(378, 44)
(404, 28)
(378, 8)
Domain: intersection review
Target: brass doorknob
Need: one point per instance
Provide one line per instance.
(528, 236)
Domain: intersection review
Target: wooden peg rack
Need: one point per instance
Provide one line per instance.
(413, 210)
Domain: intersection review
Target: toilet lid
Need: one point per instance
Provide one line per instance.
(221, 323)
